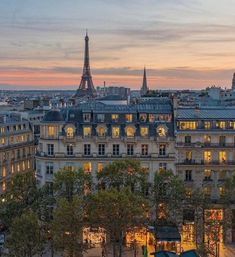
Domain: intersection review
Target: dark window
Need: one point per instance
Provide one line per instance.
(50, 149)
(187, 139)
(49, 168)
(101, 149)
(115, 149)
(188, 175)
(162, 150)
(69, 149)
(87, 149)
(144, 150)
(130, 149)
(222, 140)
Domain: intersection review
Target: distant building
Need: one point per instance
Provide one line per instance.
(144, 88)
(122, 92)
(30, 104)
(233, 82)
(16, 147)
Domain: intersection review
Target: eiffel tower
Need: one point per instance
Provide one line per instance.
(86, 87)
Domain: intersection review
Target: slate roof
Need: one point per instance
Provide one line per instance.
(205, 113)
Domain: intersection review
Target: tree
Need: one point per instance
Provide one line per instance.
(117, 212)
(67, 227)
(68, 183)
(168, 196)
(26, 238)
(125, 173)
(21, 194)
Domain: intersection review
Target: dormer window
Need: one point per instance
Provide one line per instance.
(221, 124)
(144, 131)
(115, 117)
(51, 131)
(143, 117)
(70, 132)
(86, 131)
(162, 131)
(130, 131)
(86, 117)
(100, 117)
(129, 117)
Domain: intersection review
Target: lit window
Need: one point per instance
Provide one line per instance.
(221, 191)
(28, 164)
(3, 186)
(207, 174)
(86, 117)
(188, 156)
(51, 131)
(70, 132)
(188, 192)
(23, 165)
(2, 130)
(87, 167)
(162, 166)
(207, 139)
(2, 141)
(207, 156)
(101, 131)
(115, 132)
(207, 124)
(222, 156)
(221, 124)
(152, 118)
(144, 131)
(115, 117)
(12, 168)
(207, 191)
(100, 167)
(145, 167)
(143, 117)
(161, 131)
(130, 131)
(129, 117)
(4, 172)
(232, 124)
(18, 167)
(86, 131)
(188, 125)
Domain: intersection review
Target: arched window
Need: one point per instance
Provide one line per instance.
(130, 132)
(101, 131)
(70, 132)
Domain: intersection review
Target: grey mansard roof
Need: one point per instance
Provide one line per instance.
(53, 116)
(205, 113)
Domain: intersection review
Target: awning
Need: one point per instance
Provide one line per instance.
(167, 233)
(190, 253)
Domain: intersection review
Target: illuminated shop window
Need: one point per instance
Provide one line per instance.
(207, 125)
(115, 132)
(86, 131)
(188, 125)
(130, 131)
(213, 214)
(144, 131)
(143, 117)
(87, 167)
(51, 131)
(129, 117)
(114, 117)
(222, 156)
(70, 132)
(207, 156)
(221, 124)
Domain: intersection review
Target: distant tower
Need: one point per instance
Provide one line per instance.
(86, 87)
(233, 83)
(144, 88)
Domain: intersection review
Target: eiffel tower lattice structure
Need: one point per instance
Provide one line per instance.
(86, 87)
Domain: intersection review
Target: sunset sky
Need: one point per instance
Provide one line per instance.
(183, 43)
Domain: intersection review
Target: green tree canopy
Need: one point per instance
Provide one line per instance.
(117, 212)
(125, 173)
(26, 238)
(68, 183)
(67, 227)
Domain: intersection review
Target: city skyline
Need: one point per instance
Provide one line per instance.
(183, 44)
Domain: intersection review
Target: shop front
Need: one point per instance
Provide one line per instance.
(94, 237)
